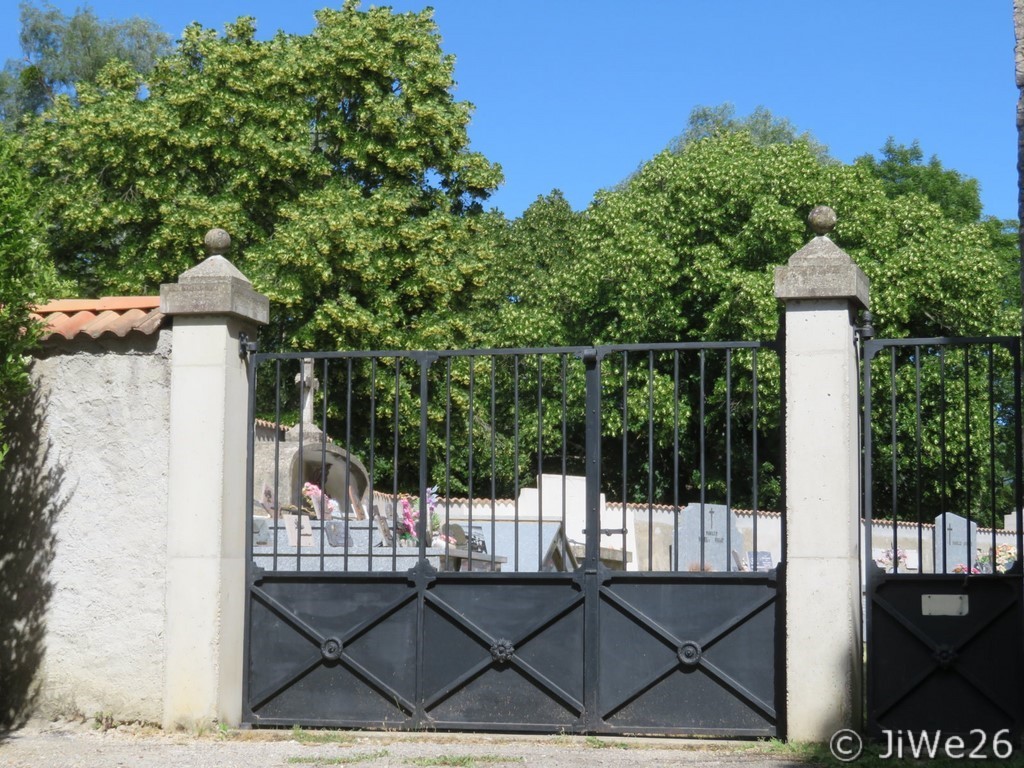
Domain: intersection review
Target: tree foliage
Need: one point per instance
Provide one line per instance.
(902, 171)
(59, 52)
(685, 250)
(763, 127)
(338, 161)
(25, 278)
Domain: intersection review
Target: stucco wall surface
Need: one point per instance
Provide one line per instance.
(106, 418)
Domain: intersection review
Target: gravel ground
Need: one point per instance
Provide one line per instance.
(82, 745)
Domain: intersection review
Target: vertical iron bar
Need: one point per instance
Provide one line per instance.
(448, 454)
(625, 430)
(472, 396)
(591, 562)
(540, 462)
(302, 473)
(703, 452)
(1018, 465)
(373, 456)
(278, 522)
(349, 502)
(992, 451)
(728, 461)
(942, 452)
(423, 524)
(650, 472)
(394, 469)
(515, 455)
(968, 458)
(780, 350)
(494, 492)
(895, 474)
(756, 459)
(674, 547)
(422, 532)
(564, 447)
(917, 461)
(323, 472)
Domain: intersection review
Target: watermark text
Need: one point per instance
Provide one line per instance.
(846, 745)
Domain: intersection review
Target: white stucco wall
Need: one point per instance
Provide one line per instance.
(106, 418)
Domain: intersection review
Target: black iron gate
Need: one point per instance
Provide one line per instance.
(392, 586)
(942, 518)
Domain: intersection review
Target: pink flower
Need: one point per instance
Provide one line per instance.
(314, 496)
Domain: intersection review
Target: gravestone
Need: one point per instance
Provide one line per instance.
(260, 531)
(559, 498)
(760, 560)
(337, 533)
(721, 539)
(961, 542)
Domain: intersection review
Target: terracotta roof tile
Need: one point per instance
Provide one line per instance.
(111, 316)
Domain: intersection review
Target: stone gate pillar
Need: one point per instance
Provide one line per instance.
(822, 290)
(210, 306)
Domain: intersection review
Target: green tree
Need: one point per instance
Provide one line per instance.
(60, 51)
(338, 161)
(696, 233)
(685, 250)
(763, 127)
(25, 278)
(902, 171)
(520, 299)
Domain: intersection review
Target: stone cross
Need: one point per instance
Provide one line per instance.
(308, 385)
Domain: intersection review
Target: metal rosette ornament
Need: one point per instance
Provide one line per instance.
(331, 649)
(502, 651)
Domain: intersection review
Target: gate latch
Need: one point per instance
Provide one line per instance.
(610, 531)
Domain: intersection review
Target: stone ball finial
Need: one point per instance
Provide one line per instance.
(822, 219)
(217, 242)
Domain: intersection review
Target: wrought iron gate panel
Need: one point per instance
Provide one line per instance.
(941, 672)
(703, 654)
(944, 620)
(373, 613)
(329, 649)
(519, 667)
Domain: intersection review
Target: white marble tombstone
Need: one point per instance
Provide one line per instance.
(960, 540)
(721, 539)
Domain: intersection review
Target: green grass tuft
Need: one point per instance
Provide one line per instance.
(362, 757)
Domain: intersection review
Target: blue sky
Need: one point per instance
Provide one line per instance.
(576, 95)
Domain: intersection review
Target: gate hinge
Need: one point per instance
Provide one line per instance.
(866, 330)
(246, 347)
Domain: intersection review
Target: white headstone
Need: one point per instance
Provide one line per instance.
(720, 536)
(546, 504)
(955, 543)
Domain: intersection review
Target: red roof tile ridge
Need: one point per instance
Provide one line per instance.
(115, 303)
(117, 316)
(109, 321)
(60, 324)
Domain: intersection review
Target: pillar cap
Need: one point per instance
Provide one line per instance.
(215, 287)
(821, 269)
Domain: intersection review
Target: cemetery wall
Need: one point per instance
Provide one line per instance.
(105, 422)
